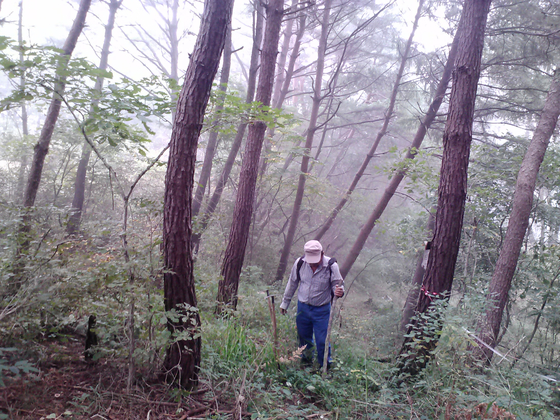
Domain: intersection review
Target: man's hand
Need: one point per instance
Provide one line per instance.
(283, 311)
(339, 291)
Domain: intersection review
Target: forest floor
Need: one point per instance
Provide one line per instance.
(68, 387)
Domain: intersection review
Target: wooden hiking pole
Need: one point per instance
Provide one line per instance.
(328, 337)
(272, 309)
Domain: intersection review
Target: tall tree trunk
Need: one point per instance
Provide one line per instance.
(452, 191)
(232, 155)
(80, 181)
(317, 99)
(283, 56)
(243, 211)
(213, 137)
(489, 324)
(42, 147)
(283, 77)
(388, 116)
(401, 173)
(24, 119)
(182, 360)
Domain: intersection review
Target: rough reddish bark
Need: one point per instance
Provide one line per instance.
(243, 211)
(400, 175)
(210, 151)
(236, 145)
(182, 359)
(452, 190)
(489, 324)
(80, 182)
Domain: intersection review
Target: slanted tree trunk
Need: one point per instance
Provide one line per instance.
(489, 324)
(213, 137)
(80, 181)
(243, 211)
(182, 360)
(236, 145)
(42, 147)
(317, 100)
(452, 191)
(388, 116)
(401, 173)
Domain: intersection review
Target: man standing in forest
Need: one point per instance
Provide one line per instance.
(319, 279)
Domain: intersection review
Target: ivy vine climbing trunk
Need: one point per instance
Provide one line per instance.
(489, 324)
(80, 182)
(423, 331)
(414, 291)
(243, 211)
(182, 360)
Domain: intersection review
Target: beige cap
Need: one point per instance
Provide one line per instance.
(313, 251)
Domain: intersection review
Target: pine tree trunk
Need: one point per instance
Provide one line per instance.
(232, 155)
(80, 181)
(243, 211)
(452, 192)
(489, 325)
(206, 170)
(182, 359)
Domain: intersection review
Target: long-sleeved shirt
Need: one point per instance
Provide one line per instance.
(314, 287)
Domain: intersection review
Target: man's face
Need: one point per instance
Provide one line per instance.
(315, 265)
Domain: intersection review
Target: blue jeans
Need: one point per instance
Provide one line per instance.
(313, 320)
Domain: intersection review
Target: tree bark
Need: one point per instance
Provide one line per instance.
(80, 182)
(400, 174)
(213, 137)
(317, 100)
(24, 118)
(232, 155)
(388, 116)
(489, 324)
(452, 191)
(42, 147)
(243, 211)
(414, 292)
(182, 359)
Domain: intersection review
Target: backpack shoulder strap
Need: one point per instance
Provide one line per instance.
(299, 264)
(330, 263)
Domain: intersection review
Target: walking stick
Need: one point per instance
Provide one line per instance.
(328, 338)
(272, 309)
